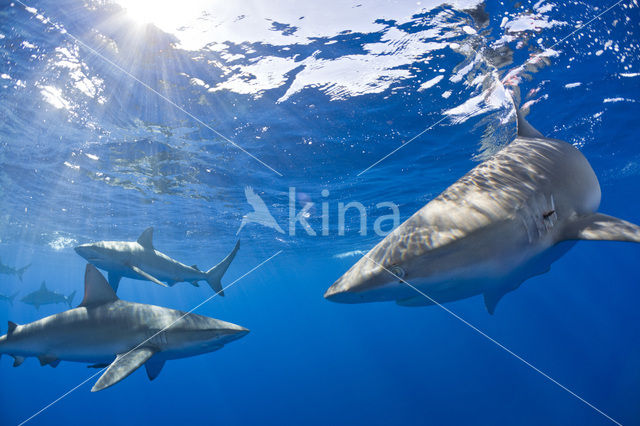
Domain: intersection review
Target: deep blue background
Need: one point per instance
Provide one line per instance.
(307, 360)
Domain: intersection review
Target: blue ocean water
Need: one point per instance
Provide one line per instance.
(121, 116)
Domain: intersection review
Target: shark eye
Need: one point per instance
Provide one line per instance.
(397, 271)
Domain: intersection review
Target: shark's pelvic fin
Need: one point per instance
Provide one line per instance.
(96, 289)
(48, 359)
(153, 367)
(146, 238)
(214, 275)
(114, 281)
(598, 226)
(99, 365)
(17, 360)
(146, 276)
(525, 129)
(122, 367)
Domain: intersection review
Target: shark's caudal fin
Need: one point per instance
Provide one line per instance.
(96, 289)
(214, 275)
(13, 297)
(598, 226)
(69, 298)
(20, 271)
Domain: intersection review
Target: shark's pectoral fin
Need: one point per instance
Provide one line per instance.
(114, 281)
(418, 300)
(122, 367)
(146, 276)
(153, 367)
(598, 226)
(17, 360)
(49, 360)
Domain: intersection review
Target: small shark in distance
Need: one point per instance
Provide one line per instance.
(44, 296)
(107, 331)
(141, 261)
(505, 221)
(8, 270)
(9, 299)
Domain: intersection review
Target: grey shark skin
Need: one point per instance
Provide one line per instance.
(9, 270)
(506, 220)
(9, 299)
(44, 296)
(141, 261)
(105, 330)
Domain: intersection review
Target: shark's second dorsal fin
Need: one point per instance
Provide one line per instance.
(96, 289)
(525, 129)
(146, 238)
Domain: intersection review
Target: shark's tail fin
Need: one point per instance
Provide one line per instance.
(69, 298)
(12, 297)
(20, 271)
(214, 275)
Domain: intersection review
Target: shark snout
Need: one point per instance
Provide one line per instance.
(84, 250)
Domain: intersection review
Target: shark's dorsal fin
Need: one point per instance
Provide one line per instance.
(12, 327)
(43, 286)
(195, 267)
(598, 226)
(96, 289)
(525, 129)
(146, 238)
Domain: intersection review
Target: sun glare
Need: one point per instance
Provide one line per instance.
(165, 14)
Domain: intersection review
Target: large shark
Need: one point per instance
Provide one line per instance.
(44, 296)
(9, 270)
(503, 222)
(141, 261)
(107, 331)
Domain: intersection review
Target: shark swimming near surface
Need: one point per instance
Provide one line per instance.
(141, 261)
(44, 296)
(9, 270)
(122, 336)
(505, 221)
(9, 299)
